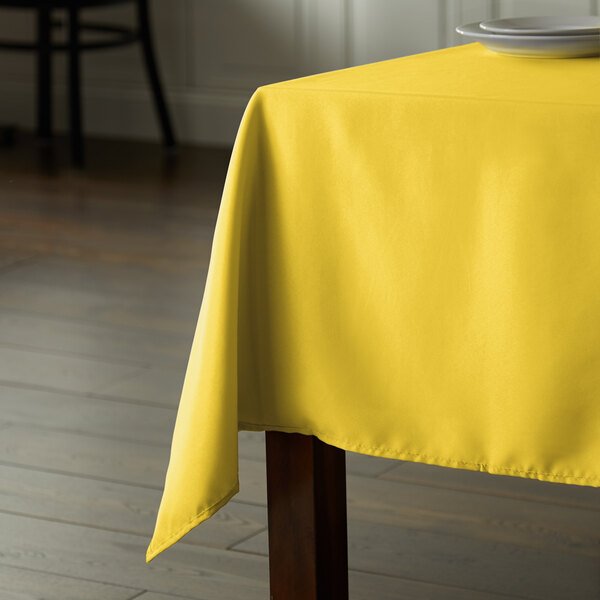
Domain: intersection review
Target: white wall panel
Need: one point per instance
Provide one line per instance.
(459, 12)
(382, 29)
(524, 8)
(325, 43)
(240, 44)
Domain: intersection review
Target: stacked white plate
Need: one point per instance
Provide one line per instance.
(539, 37)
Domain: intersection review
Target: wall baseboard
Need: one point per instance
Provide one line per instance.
(200, 117)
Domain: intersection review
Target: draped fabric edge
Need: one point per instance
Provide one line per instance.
(253, 113)
(408, 456)
(154, 551)
(551, 477)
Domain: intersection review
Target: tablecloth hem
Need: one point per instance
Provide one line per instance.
(382, 452)
(153, 551)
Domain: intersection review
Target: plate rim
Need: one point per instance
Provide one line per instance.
(474, 30)
(488, 26)
(534, 46)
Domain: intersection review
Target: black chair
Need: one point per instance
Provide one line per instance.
(115, 35)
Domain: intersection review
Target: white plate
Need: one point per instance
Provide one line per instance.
(534, 46)
(544, 25)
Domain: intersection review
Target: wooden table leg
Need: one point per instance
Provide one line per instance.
(308, 542)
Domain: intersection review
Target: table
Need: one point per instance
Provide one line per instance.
(406, 264)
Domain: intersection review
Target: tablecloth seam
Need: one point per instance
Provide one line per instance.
(193, 522)
(448, 462)
(279, 86)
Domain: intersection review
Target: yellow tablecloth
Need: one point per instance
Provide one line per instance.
(406, 264)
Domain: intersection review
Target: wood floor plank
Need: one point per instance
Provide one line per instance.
(117, 461)
(501, 485)
(485, 518)
(155, 385)
(75, 413)
(117, 558)
(60, 371)
(119, 177)
(155, 596)
(150, 314)
(115, 507)
(111, 236)
(8, 258)
(113, 460)
(367, 466)
(25, 584)
(123, 279)
(468, 563)
(92, 340)
(369, 586)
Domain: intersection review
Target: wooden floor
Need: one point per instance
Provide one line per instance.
(101, 277)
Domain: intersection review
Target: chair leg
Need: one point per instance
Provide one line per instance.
(152, 70)
(77, 152)
(44, 74)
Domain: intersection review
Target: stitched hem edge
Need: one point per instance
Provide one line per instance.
(153, 551)
(423, 458)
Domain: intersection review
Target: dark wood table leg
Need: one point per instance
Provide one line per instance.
(308, 542)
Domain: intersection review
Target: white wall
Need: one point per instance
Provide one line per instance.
(214, 53)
